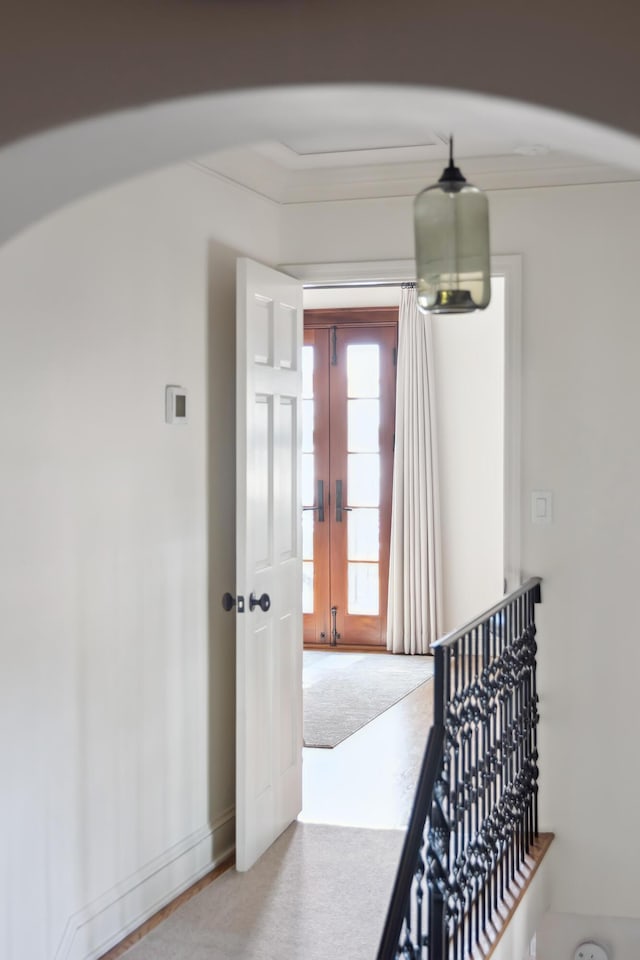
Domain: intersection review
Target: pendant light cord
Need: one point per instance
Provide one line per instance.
(451, 176)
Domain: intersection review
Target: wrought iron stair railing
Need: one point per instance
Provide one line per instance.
(475, 812)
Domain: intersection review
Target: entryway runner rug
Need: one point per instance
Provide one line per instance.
(319, 893)
(343, 692)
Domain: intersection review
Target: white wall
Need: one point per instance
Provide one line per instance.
(116, 759)
(469, 374)
(559, 934)
(581, 394)
(520, 934)
(116, 704)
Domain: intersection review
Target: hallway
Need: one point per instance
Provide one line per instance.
(322, 890)
(368, 780)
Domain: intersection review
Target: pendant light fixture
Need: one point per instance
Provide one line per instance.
(452, 245)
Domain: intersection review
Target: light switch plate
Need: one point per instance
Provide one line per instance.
(541, 506)
(175, 404)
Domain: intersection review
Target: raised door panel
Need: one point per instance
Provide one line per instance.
(269, 561)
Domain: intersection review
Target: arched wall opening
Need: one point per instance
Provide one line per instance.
(42, 173)
(117, 532)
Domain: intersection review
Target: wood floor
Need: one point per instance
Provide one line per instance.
(369, 779)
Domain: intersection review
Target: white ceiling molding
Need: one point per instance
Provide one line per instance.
(276, 172)
(389, 149)
(114, 147)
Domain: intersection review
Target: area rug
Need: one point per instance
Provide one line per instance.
(343, 692)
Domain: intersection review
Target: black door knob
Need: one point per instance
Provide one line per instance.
(229, 602)
(264, 602)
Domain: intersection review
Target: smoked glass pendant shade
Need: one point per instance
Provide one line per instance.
(453, 262)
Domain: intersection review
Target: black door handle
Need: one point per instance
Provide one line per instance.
(339, 508)
(320, 504)
(335, 636)
(264, 602)
(229, 602)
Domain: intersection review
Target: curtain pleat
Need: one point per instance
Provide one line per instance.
(414, 612)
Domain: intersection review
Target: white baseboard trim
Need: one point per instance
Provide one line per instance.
(101, 925)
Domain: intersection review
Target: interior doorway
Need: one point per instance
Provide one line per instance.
(349, 359)
(478, 364)
(477, 411)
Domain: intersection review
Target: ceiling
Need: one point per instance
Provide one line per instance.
(376, 160)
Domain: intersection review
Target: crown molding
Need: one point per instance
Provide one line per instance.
(254, 170)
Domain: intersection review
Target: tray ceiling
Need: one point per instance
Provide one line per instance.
(364, 161)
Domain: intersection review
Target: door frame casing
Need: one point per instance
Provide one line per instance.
(508, 266)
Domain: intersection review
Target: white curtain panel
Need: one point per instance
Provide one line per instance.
(414, 615)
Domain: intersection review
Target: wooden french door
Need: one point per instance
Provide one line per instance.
(347, 464)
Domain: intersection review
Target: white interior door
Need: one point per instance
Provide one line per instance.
(269, 558)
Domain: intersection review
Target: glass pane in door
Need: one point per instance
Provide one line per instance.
(307, 426)
(307, 371)
(363, 596)
(307, 586)
(363, 475)
(307, 534)
(363, 370)
(364, 534)
(363, 479)
(308, 484)
(363, 426)
(307, 479)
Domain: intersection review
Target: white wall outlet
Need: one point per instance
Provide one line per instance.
(590, 951)
(175, 404)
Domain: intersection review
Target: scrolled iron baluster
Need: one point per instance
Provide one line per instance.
(483, 816)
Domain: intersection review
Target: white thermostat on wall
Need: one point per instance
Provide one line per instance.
(175, 404)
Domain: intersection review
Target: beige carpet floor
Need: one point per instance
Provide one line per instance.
(319, 893)
(342, 692)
